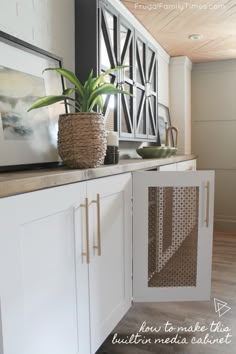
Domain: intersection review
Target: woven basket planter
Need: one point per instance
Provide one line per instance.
(82, 139)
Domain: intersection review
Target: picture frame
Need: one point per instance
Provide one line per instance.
(164, 122)
(28, 140)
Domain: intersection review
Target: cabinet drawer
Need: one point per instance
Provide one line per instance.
(186, 166)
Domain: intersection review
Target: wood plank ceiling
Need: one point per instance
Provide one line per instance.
(171, 22)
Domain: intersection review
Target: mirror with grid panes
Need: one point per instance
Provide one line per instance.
(135, 117)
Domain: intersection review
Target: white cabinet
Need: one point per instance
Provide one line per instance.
(110, 281)
(41, 275)
(66, 255)
(172, 236)
(170, 167)
(65, 266)
(190, 165)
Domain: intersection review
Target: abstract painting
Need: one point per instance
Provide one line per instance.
(18, 91)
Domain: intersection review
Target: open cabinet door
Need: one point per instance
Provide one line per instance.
(173, 232)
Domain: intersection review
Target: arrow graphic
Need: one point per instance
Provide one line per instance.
(221, 307)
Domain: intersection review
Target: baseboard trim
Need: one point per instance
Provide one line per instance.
(225, 225)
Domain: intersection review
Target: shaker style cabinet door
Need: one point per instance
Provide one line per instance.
(44, 300)
(110, 282)
(172, 236)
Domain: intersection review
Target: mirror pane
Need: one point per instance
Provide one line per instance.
(127, 110)
(141, 111)
(140, 66)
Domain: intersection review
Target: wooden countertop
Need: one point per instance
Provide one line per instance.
(13, 183)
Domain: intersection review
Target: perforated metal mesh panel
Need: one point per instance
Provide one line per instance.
(172, 236)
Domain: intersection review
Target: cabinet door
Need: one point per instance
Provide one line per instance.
(109, 270)
(135, 116)
(170, 167)
(126, 80)
(140, 94)
(41, 241)
(117, 48)
(190, 165)
(151, 93)
(146, 90)
(108, 58)
(172, 242)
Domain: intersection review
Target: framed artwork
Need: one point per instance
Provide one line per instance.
(27, 139)
(163, 123)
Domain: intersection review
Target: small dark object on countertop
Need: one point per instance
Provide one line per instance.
(112, 155)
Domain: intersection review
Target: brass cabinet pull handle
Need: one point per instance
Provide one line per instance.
(98, 246)
(86, 206)
(207, 203)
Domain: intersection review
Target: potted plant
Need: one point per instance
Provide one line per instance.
(82, 135)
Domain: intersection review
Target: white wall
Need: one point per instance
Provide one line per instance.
(48, 24)
(180, 101)
(214, 132)
(163, 78)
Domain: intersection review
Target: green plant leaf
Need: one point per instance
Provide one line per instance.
(71, 77)
(116, 68)
(98, 101)
(87, 95)
(74, 106)
(105, 89)
(48, 100)
(70, 105)
(100, 78)
(87, 84)
(87, 92)
(98, 81)
(69, 91)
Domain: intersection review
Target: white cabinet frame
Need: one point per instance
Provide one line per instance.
(141, 182)
(100, 290)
